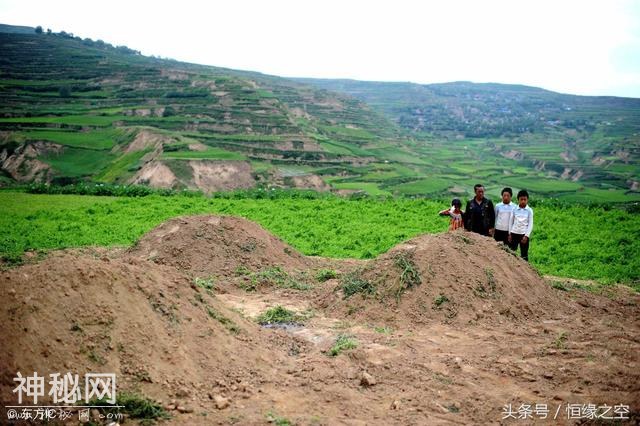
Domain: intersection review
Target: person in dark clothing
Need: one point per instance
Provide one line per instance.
(479, 215)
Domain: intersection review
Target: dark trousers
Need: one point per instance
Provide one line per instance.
(502, 236)
(516, 239)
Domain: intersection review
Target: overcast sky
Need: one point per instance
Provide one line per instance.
(580, 47)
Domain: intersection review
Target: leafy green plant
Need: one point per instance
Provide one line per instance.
(326, 274)
(561, 340)
(274, 418)
(205, 283)
(352, 283)
(440, 300)
(343, 343)
(280, 315)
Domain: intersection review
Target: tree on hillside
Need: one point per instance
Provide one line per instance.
(38, 29)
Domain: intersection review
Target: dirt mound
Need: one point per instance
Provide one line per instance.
(95, 312)
(443, 329)
(215, 246)
(454, 277)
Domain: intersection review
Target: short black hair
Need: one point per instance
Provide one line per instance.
(523, 193)
(456, 202)
(507, 189)
(476, 186)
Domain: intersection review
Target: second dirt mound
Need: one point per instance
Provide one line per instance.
(215, 245)
(455, 277)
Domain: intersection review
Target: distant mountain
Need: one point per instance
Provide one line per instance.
(16, 29)
(489, 109)
(76, 109)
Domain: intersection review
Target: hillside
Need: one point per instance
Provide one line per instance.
(81, 110)
(76, 109)
(581, 139)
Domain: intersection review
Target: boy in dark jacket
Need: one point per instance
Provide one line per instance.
(479, 215)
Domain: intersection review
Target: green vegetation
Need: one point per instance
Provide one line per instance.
(561, 340)
(210, 153)
(343, 343)
(326, 274)
(440, 300)
(281, 315)
(132, 404)
(204, 283)
(274, 418)
(568, 240)
(226, 322)
(98, 139)
(409, 274)
(275, 276)
(353, 283)
(407, 140)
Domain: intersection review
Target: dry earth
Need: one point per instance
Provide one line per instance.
(453, 329)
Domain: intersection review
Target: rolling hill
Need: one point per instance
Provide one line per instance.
(82, 110)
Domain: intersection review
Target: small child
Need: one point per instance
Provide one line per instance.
(503, 216)
(456, 215)
(521, 225)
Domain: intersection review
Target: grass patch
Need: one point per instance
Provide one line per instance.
(274, 276)
(100, 139)
(280, 315)
(353, 283)
(274, 418)
(134, 405)
(439, 301)
(211, 153)
(409, 275)
(383, 330)
(491, 280)
(226, 322)
(343, 343)
(205, 283)
(561, 340)
(326, 274)
(558, 285)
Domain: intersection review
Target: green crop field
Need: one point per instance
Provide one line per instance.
(568, 240)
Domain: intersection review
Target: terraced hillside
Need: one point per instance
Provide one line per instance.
(582, 147)
(81, 110)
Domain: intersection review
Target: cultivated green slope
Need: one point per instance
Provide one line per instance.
(588, 142)
(75, 110)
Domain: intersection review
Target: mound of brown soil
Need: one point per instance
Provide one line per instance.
(147, 323)
(455, 277)
(215, 245)
(416, 353)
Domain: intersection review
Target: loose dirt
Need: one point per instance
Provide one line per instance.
(448, 329)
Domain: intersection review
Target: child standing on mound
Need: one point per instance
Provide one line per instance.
(521, 225)
(503, 216)
(455, 213)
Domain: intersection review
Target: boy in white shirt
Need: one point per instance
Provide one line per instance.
(503, 216)
(521, 225)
